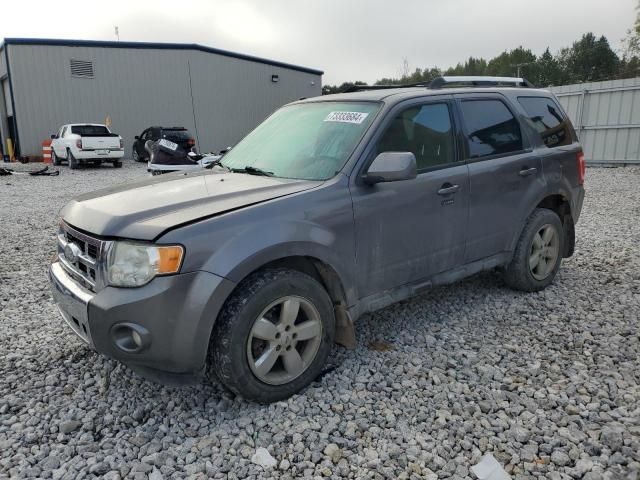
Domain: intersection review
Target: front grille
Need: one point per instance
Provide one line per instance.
(80, 255)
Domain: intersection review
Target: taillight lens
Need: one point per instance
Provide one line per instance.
(121, 143)
(581, 167)
(191, 142)
(79, 144)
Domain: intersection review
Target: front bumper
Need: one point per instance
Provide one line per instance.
(72, 300)
(174, 314)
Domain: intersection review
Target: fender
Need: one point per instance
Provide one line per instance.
(235, 260)
(317, 224)
(559, 189)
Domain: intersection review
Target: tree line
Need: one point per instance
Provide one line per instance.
(589, 59)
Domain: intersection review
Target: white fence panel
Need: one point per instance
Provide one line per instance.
(606, 116)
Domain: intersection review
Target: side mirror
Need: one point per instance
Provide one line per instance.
(391, 167)
(137, 137)
(54, 136)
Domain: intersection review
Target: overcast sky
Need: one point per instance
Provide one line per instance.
(348, 39)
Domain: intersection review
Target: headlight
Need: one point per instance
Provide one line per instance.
(135, 264)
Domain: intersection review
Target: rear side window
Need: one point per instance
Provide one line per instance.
(89, 130)
(424, 130)
(492, 128)
(548, 120)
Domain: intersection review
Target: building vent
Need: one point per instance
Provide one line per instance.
(81, 68)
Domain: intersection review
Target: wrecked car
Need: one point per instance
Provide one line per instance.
(331, 208)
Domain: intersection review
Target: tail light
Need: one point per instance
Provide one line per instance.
(121, 143)
(581, 167)
(79, 144)
(191, 142)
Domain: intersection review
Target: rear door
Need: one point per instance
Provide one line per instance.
(504, 173)
(413, 229)
(559, 142)
(139, 144)
(58, 143)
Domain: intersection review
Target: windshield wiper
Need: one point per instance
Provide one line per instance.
(218, 163)
(252, 171)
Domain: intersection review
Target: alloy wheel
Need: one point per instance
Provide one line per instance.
(545, 249)
(284, 340)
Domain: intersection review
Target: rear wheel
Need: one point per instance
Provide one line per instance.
(73, 162)
(538, 253)
(117, 164)
(273, 335)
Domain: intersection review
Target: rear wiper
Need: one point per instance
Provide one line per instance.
(252, 171)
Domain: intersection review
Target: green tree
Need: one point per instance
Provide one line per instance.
(632, 47)
(590, 59)
(548, 71)
(508, 63)
(329, 89)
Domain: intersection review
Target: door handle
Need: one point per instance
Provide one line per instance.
(447, 189)
(525, 172)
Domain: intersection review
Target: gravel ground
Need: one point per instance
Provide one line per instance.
(548, 382)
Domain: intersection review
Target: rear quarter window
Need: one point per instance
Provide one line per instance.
(491, 128)
(548, 119)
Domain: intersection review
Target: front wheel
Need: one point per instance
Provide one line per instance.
(273, 335)
(117, 164)
(135, 156)
(54, 158)
(538, 254)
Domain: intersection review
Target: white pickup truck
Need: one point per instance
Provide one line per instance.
(80, 143)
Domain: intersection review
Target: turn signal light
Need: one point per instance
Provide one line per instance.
(170, 259)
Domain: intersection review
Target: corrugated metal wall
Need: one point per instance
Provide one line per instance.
(4, 126)
(223, 97)
(606, 116)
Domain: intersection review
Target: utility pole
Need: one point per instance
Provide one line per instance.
(519, 65)
(117, 33)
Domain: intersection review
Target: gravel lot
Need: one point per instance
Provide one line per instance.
(547, 382)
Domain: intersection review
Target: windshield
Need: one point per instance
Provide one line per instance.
(309, 141)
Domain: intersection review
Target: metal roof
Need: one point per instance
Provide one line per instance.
(154, 46)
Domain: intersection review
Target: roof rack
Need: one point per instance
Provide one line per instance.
(363, 88)
(451, 81)
(479, 81)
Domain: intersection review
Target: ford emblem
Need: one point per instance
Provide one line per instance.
(72, 252)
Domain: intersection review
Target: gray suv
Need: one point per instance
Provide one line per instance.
(333, 207)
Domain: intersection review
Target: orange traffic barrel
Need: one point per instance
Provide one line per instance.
(46, 151)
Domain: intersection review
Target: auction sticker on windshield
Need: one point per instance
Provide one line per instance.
(346, 117)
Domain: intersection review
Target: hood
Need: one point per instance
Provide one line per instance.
(144, 210)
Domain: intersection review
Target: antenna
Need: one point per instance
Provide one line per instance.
(117, 32)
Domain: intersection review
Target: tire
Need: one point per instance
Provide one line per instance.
(135, 156)
(54, 158)
(73, 162)
(253, 312)
(117, 164)
(538, 253)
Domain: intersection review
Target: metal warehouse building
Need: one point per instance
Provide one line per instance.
(218, 95)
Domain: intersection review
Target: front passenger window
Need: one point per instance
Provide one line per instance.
(424, 130)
